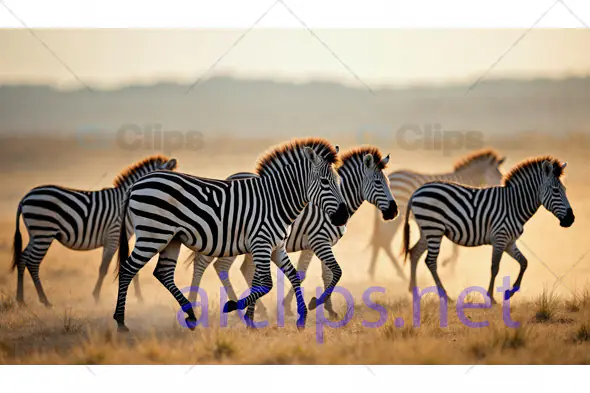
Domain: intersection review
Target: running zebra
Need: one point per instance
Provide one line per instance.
(492, 215)
(226, 218)
(80, 220)
(476, 169)
(362, 179)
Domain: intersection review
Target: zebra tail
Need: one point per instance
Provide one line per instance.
(406, 239)
(17, 246)
(123, 241)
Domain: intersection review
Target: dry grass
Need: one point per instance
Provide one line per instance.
(38, 336)
(546, 306)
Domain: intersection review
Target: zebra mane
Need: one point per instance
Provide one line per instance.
(526, 165)
(478, 156)
(281, 153)
(360, 152)
(131, 170)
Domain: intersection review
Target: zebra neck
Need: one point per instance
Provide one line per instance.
(118, 193)
(351, 191)
(523, 199)
(286, 195)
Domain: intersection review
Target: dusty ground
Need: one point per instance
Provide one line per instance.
(554, 316)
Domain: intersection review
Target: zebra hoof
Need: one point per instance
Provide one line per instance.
(21, 303)
(509, 293)
(230, 306)
(191, 323)
(313, 303)
(249, 322)
(332, 315)
(47, 305)
(122, 329)
(301, 323)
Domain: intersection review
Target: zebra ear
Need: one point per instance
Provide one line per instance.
(171, 164)
(337, 149)
(385, 160)
(564, 165)
(501, 160)
(369, 161)
(547, 167)
(311, 155)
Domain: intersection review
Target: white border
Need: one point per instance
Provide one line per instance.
(316, 14)
(286, 379)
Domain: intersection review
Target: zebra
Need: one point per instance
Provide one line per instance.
(79, 220)
(225, 218)
(362, 178)
(472, 216)
(478, 168)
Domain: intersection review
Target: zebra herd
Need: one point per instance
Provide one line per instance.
(300, 198)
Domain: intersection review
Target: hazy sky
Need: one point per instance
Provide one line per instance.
(111, 58)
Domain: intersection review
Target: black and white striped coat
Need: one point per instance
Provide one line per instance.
(80, 220)
(225, 218)
(471, 216)
(362, 179)
(477, 169)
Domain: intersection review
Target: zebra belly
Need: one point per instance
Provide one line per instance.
(467, 239)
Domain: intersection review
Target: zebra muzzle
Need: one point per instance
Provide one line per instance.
(391, 212)
(340, 216)
(568, 219)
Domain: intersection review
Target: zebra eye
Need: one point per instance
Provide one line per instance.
(324, 181)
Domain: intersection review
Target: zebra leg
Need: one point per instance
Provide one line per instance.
(107, 255)
(164, 272)
(515, 253)
(128, 269)
(497, 252)
(302, 266)
(415, 254)
(200, 264)
(33, 256)
(433, 243)
(222, 266)
(289, 270)
(262, 282)
(324, 252)
(327, 278)
(28, 253)
(247, 269)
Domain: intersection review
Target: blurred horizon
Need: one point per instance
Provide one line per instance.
(379, 58)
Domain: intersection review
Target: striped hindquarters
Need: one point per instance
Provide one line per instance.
(77, 219)
(461, 213)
